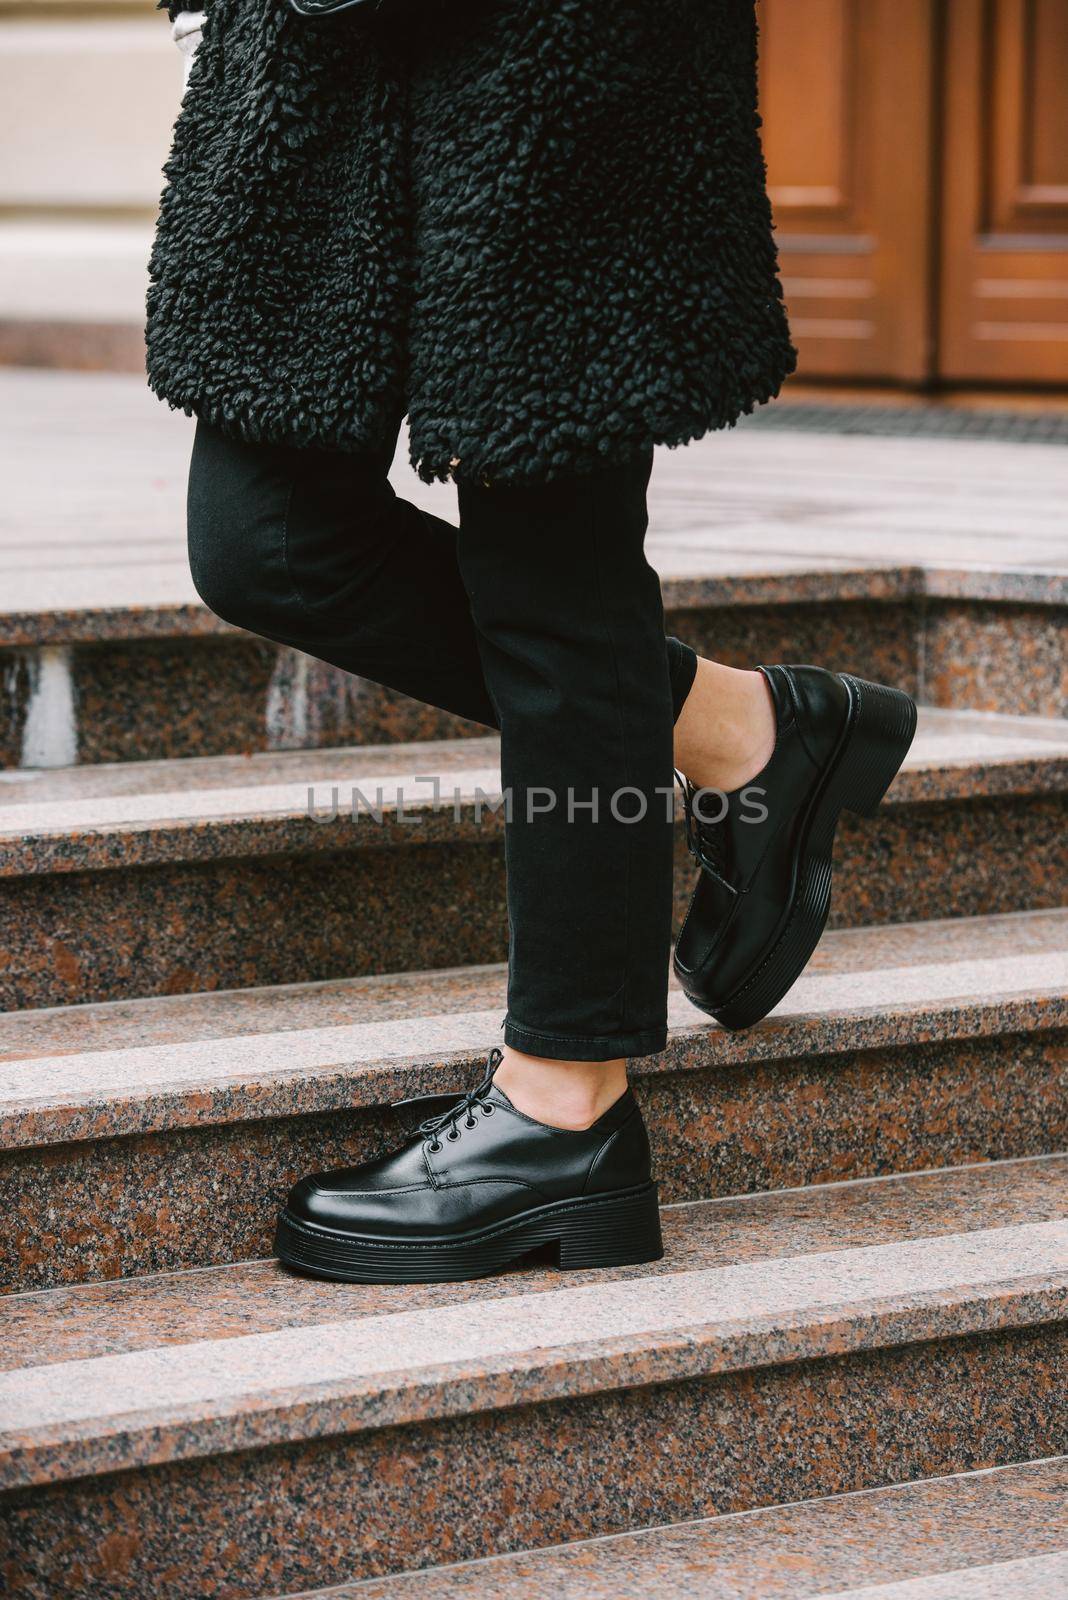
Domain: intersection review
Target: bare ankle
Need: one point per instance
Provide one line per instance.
(725, 733)
(563, 1094)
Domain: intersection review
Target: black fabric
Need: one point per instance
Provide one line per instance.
(539, 226)
(541, 616)
(682, 667)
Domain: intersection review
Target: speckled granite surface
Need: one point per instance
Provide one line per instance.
(72, 1324)
(186, 1401)
(948, 1536)
(790, 546)
(178, 698)
(197, 1196)
(214, 693)
(247, 1433)
(902, 1048)
(1030, 1578)
(77, 819)
(151, 699)
(175, 1019)
(344, 1507)
(299, 1052)
(174, 930)
(172, 843)
(283, 918)
(228, 692)
(384, 1358)
(996, 658)
(741, 504)
(860, 1114)
(748, 621)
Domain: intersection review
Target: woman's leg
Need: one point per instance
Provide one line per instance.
(541, 616)
(313, 549)
(570, 626)
(570, 630)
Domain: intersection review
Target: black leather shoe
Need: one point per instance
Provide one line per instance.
(762, 898)
(479, 1186)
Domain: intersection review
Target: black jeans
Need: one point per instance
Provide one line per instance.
(539, 616)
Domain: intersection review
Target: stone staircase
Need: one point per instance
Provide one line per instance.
(848, 1374)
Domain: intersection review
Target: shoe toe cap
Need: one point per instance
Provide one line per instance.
(315, 1199)
(370, 1196)
(345, 1203)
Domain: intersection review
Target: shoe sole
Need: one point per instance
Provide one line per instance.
(616, 1230)
(879, 731)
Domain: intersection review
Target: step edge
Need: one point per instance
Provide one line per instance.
(1056, 915)
(377, 1082)
(1018, 585)
(248, 835)
(136, 1441)
(149, 623)
(407, 756)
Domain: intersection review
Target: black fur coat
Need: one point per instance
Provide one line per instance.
(540, 227)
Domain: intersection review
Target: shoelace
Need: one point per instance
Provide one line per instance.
(448, 1121)
(704, 840)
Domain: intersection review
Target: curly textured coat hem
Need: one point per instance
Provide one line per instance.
(539, 226)
(244, 424)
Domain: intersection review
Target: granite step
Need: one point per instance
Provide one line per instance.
(171, 682)
(150, 851)
(150, 1135)
(937, 564)
(240, 1431)
(973, 1536)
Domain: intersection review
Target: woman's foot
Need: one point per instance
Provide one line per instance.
(765, 847)
(479, 1186)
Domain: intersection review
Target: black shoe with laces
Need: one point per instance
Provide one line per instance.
(479, 1186)
(765, 851)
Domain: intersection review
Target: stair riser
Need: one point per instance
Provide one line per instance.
(193, 697)
(202, 1196)
(297, 1516)
(970, 655)
(988, 657)
(227, 693)
(235, 924)
(70, 937)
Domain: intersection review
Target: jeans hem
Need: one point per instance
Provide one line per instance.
(601, 1047)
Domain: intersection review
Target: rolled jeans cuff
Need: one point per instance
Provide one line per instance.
(604, 1047)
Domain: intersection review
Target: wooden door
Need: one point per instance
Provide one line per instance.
(1004, 313)
(848, 105)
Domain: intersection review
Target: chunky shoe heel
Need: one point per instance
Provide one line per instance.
(618, 1231)
(884, 725)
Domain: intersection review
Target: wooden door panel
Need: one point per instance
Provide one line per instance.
(806, 63)
(847, 105)
(1028, 108)
(1005, 192)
